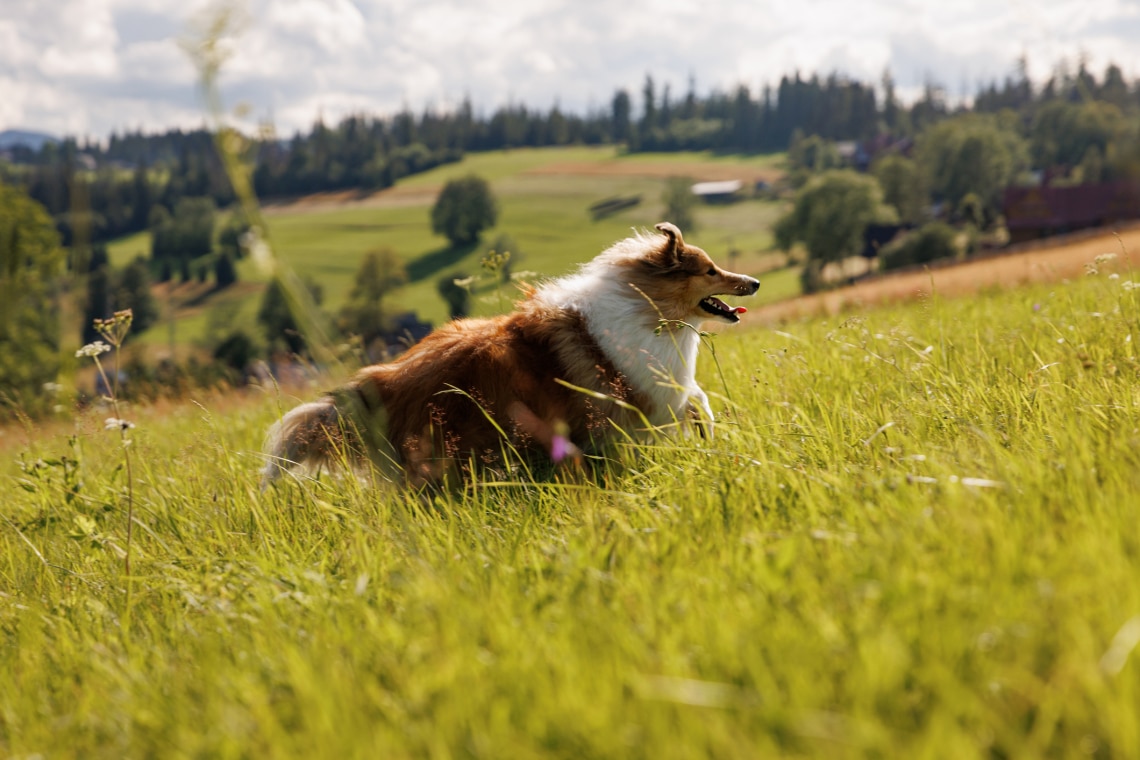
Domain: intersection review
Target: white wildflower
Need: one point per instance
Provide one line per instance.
(1114, 276)
(93, 349)
(52, 388)
(114, 423)
(1104, 258)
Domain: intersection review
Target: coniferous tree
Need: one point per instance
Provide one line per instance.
(132, 291)
(225, 273)
(30, 262)
(381, 271)
(621, 116)
(457, 297)
(276, 317)
(680, 203)
(97, 302)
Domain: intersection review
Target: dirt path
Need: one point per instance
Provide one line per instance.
(701, 171)
(395, 196)
(1047, 262)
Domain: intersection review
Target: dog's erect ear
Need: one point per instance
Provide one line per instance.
(676, 243)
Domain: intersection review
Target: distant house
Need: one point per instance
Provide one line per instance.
(884, 144)
(853, 154)
(1037, 212)
(718, 192)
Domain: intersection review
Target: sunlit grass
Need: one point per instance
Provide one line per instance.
(913, 535)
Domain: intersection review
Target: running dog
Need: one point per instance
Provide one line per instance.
(612, 347)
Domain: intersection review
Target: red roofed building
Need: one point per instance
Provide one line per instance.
(1037, 212)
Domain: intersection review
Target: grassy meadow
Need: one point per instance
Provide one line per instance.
(914, 535)
(544, 196)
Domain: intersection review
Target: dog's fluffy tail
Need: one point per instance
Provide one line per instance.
(307, 436)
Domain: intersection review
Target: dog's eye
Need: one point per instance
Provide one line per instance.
(711, 272)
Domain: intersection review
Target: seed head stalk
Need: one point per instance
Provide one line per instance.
(115, 330)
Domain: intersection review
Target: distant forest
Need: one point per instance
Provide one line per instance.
(115, 187)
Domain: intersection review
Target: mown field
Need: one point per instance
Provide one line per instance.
(544, 197)
(914, 535)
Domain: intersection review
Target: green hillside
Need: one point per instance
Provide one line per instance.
(544, 195)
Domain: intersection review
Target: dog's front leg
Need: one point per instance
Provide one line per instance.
(700, 412)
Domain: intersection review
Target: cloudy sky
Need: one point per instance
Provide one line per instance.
(88, 67)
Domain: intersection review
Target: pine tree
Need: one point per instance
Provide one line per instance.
(225, 273)
(30, 262)
(381, 271)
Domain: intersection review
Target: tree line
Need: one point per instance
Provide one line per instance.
(945, 183)
(99, 190)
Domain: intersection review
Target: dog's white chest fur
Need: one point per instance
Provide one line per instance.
(660, 364)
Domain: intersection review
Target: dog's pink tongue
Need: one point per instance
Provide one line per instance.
(739, 310)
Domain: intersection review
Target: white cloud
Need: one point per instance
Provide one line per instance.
(15, 50)
(335, 25)
(91, 66)
(82, 41)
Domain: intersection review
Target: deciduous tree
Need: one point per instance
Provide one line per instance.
(829, 217)
(903, 186)
(933, 242)
(971, 154)
(464, 208)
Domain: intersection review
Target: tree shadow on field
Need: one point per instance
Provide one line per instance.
(430, 263)
(358, 226)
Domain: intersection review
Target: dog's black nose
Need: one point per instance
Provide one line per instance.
(752, 286)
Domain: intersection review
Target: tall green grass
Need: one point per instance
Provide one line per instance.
(914, 535)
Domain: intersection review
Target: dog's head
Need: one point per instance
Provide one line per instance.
(683, 282)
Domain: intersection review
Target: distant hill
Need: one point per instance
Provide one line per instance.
(10, 138)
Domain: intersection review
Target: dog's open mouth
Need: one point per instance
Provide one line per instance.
(719, 308)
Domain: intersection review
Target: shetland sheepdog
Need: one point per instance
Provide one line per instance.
(609, 350)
